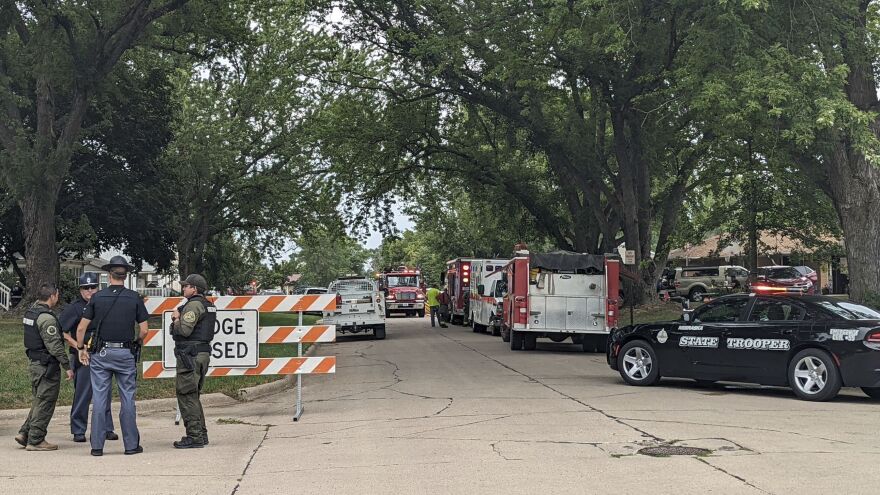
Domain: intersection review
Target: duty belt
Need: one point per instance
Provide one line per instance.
(118, 345)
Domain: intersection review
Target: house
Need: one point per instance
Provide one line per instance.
(773, 249)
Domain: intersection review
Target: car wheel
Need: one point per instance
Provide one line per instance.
(638, 363)
(505, 334)
(696, 294)
(872, 392)
(421, 313)
(516, 340)
(530, 343)
(813, 375)
(379, 332)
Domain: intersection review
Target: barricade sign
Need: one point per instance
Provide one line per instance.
(237, 338)
(236, 342)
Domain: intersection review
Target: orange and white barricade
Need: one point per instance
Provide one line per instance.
(299, 334)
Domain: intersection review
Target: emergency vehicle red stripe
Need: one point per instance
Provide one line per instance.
(280, 334)
(264, 363)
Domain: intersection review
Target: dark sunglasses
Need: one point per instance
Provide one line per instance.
(89, 287)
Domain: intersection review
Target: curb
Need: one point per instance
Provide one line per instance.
(169, 403)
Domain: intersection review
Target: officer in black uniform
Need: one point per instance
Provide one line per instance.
(45, 350)
(116, 312)
(82, 381)
(193, 329)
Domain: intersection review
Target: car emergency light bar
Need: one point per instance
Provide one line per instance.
(769, 288)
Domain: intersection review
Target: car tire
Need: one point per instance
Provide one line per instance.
(637, 363)
(379, 332)
(421, 313)
(474, 327)
(696, 294)
(872, 392)
(530, 342)
(517, 339)
(505, 334)
(387, 314)
(813, 375)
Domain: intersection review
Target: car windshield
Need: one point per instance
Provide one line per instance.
(403, 281)
(804, 270)
(849, 311)
(779, 273)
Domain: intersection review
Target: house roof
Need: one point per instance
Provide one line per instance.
(768, 243)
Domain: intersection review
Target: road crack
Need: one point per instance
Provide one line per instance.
(254, 454)
(728, 473)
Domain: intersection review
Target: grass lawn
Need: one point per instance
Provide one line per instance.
(15, 389)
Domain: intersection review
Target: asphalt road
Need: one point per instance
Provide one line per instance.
(450, 411)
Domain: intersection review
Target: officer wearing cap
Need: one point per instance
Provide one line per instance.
(192, 328)
(82, 381)
(45, 350)
(115, 311)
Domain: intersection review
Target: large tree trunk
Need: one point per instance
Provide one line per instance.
(38, 211)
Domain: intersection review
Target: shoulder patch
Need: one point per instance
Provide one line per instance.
(52, 330)
(189, 317)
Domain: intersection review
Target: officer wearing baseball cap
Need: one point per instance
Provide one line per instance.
(116, 312)
(82, 381)
(192, 328)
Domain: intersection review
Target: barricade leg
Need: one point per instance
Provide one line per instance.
(299, 353)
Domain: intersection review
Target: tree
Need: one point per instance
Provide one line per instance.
(240, 156)
(321, 257)
(54, 61)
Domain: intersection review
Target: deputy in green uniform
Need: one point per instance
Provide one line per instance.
(44, 346)
(193, 329)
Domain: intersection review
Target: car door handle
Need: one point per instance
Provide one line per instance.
(788, 332)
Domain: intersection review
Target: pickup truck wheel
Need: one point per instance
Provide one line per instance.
(813, 375)
(517, 339)
(530, 342)
(474, 327)
(505, 334)
(379, 332)
(637, 363)
(421, 313)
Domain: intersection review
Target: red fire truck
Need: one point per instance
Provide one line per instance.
(404, 291)
(559, 295)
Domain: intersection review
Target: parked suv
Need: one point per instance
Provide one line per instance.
(696, 281)
(785, 276)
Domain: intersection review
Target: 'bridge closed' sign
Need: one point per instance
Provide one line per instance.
(236, 341)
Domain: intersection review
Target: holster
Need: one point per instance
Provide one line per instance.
(43, 357)
(187, 351)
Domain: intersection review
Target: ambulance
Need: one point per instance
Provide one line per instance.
(486, 292)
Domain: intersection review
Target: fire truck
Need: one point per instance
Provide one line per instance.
(486, 290)
(404, 291)
(560, 295)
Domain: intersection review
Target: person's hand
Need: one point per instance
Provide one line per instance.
(175, 315)
(84, 357)
(69, 375)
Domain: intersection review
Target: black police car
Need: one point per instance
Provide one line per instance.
(813, 344)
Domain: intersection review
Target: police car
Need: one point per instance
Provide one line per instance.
(813, 344)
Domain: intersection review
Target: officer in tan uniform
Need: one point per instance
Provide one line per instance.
(192, 328)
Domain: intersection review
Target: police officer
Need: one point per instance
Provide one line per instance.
(45, 350)
(82, 382)
(116, 311)
(193, 329)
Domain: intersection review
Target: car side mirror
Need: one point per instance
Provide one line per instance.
(481, 289)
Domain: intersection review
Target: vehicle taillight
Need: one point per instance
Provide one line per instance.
(677, 284)
(338, 300)
(873, 338)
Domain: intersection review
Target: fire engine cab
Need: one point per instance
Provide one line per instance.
(559, 295)
(485, 295)
(404, 291)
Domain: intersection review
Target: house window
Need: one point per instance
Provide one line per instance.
(105, 281)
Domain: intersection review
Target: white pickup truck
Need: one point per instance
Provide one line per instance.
(359, 307)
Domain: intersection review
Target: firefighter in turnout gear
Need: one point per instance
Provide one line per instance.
(193, 329)
(44, 346)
